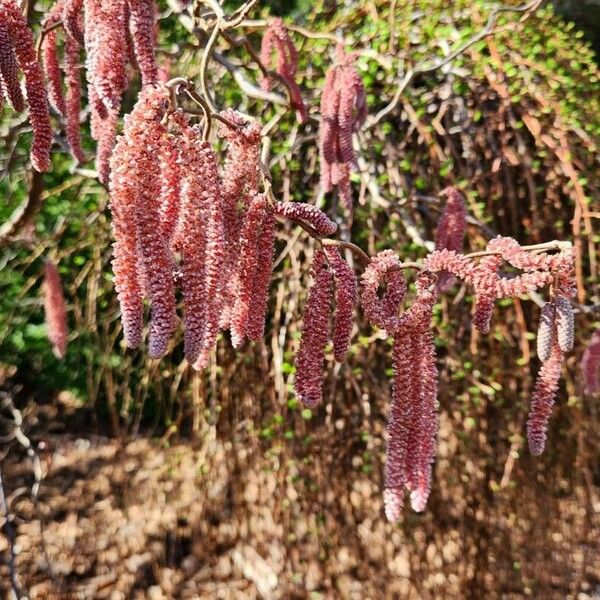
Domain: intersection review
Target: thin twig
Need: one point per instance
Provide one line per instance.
(429, 67)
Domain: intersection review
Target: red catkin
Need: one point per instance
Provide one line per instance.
(276, 39)
(10, 86)
(484, 279)
(400, 415)
(54, 307)
(590, 365)
(255, 327)
(199, 238)
(24, 47)
(72, 10)
(52, 69)
(306, 214)
(240, 182)
(542, 401)
(73, 99)
(345, 299)
(412, 423)
(142, 17)
(249, 250)
(343, 111)
(315, 334)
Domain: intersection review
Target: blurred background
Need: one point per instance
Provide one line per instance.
(160, 482)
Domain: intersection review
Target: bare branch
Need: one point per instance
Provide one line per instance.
(430, 67)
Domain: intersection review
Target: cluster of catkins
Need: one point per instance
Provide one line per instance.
(276, 42)
(17, 53)
(112, 33)
(412, 424)
(343, 111)
(180, 219)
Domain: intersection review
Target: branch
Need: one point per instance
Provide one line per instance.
(247, 86)
(429, 67)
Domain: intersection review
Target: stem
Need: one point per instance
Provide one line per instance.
(204, 63)
(349, 246)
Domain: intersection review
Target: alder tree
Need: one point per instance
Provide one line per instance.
(194, 212)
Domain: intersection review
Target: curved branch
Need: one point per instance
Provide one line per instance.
(25, 211)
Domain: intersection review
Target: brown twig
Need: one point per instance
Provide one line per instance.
(25, 211)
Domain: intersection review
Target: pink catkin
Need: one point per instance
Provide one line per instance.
(140, 252)
(24, 48)
(343, 111)
(450, 230)
(306, 214)
(106, 50)
(544, 394)
(277, 39)
(10, 86)
(484, 279)
(73, 99)
(315, 334)
(142, 20)
(590, 365)
(71, 14)
(53, 74)
(199, 238)
(255, 326)
(400, 415)
(428, 431)
(104, 131)
(249, 250)
(215, 257)
(383, 311)
(328, 132)
(240, 182)
(171, 175)
(54, 307)
(412, 424)
(345, 299)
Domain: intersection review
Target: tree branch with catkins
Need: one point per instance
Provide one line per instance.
(192, 216)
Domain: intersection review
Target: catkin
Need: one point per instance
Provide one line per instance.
(54, 307)
(315, 334)
(565, 323)
(546, 333)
